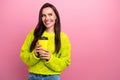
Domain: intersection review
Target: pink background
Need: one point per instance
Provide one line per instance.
(93, 27)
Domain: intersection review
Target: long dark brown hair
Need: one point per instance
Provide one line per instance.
(40, 28)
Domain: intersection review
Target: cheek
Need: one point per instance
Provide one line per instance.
(42, 19)
(54, 18)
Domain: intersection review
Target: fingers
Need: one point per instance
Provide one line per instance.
(42, 53)
(36, 50)
(37, 45)
(45, 56)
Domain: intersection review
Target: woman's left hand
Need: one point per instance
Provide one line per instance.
(44, 54)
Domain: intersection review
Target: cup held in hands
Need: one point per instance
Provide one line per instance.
(43, 41)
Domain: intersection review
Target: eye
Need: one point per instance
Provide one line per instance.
(50, 14)
(43, 15)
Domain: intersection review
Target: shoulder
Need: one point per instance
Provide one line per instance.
(65, 39)
(64, 36)
(31, 32)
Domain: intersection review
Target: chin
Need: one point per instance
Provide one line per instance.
(48, 26)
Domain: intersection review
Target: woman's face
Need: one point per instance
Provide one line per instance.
(48, 18)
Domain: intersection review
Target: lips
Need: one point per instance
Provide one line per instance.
(47, 22)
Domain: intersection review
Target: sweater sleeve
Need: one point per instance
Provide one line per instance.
(60, 63)
(28, 57)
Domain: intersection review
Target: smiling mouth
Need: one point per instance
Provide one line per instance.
(47, 22)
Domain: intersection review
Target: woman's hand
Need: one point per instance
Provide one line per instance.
(37, 50)
(42, 53)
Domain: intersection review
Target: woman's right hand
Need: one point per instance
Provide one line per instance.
(37, 50)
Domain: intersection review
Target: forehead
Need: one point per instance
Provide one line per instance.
(47, 10)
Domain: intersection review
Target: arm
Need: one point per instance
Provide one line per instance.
(62, 60)
(28, 57)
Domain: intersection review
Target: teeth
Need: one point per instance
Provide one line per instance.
(48, 22)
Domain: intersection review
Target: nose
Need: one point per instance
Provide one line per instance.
(47, 17)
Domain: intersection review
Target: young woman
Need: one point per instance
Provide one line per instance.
(46, 64)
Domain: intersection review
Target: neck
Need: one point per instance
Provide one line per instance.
(50, 30)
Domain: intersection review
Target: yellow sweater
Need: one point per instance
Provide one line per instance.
(57, 63)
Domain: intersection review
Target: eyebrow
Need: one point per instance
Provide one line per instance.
(47, 14)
